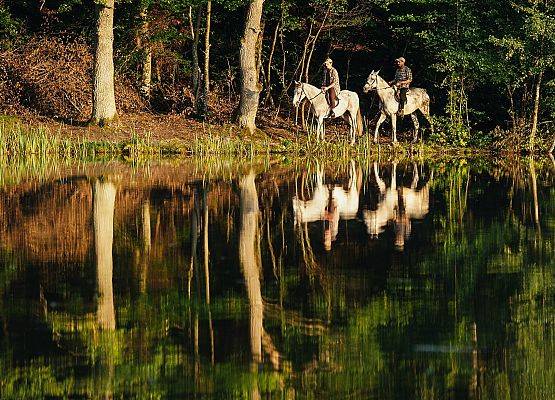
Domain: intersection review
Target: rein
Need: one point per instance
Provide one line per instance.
(376, 89)
(309, 98)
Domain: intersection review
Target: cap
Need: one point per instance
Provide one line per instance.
(402, 59)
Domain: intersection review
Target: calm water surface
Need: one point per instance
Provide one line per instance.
(380, 280)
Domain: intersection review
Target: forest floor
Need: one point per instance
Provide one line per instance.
(171, 134)
(173, 128)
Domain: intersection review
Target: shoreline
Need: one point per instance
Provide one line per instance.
(172, 135)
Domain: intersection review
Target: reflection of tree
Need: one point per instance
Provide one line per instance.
(104, 197)
(249, 258)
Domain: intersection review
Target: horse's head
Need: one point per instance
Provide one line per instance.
(371, 82)
(298, 94)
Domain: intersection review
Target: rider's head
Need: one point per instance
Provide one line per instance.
(328, 63)
(400, 62)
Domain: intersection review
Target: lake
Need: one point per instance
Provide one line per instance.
(278, 278)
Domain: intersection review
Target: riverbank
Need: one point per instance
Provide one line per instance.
(148, 134)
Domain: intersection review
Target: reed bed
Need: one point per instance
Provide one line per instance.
(21, 141)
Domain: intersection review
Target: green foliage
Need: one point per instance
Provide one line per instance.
(10, 28)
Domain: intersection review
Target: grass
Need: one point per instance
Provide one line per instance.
(18, 140)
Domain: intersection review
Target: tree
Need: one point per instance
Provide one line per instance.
(249, 59)
(104, 101)
(144, 45)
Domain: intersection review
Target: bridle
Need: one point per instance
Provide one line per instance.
(375, 81)
(306, 94)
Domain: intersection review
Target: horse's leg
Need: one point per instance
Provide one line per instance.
(321, 128)
(425, 110)
(380, 121)
(352, 127)
(394, 127)
(416, 126)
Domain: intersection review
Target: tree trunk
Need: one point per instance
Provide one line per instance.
(104, 101)
(535, 113)
(250, 85)
(206, 87)
(314, 40)
(104, 196)
(269, 67)
(146, 50)
(196, 68)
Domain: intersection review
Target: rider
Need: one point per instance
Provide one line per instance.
(403, 78)
(330, 85)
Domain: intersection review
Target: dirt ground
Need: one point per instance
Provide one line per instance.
(172, 127)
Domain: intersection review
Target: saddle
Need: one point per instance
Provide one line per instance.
(397, 97)
(341, 104)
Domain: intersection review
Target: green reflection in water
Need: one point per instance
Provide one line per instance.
(363, 280)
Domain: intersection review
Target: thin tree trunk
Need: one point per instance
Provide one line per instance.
(104, 101)
(104, 196)
(146, 50)
(269, 67)
(250, 85)
(196, 68)
(535, 113)
(206, 90)
(314, 40)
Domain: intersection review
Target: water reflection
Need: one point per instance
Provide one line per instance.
(397, 205)
(329, 203)
(104, 197)
(281, 282)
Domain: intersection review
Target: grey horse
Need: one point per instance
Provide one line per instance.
(417, 99)
(348, 108)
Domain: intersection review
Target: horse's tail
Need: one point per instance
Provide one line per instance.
(359, 122)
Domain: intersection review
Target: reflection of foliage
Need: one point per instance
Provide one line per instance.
(469, 309)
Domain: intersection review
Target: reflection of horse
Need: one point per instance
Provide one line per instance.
(417, 99)
(348, 108)
(398, 205)
(329, 204)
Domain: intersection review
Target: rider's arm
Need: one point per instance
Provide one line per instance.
(409, 77)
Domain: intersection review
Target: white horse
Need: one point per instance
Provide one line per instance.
(417, 99)
(348, 108)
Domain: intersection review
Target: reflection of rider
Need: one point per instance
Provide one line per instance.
(402, 81)
(331, 224)
(402, 222)
(330, 85)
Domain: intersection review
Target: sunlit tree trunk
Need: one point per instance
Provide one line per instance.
(249, 67)
(195, 33)
(104, 101)
(248, 230)
(206, 86)
(104, 196)
(535, 113)
(144, 44)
